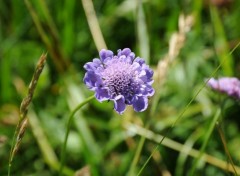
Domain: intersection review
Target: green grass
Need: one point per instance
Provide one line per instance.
(184, 42)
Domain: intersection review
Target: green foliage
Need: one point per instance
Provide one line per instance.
(99, 137)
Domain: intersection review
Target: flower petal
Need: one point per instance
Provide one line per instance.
(119, 104)
(149, 72)
(91, 66)
(128, 53)
(139, 60)
(140, 103)
(125, 51)
(104, 54)
(91, 80)
(102, 94)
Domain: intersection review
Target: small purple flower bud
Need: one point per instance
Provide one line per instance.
(228, 85)
(122, 78)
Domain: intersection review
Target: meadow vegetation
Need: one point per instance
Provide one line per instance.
(187, 129)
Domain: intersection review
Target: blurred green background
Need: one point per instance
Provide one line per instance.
(183, 41)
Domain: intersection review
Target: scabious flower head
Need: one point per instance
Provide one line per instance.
(122, 78)
(228, 85)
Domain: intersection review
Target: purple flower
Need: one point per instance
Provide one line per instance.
(122, 78)
(228, 85)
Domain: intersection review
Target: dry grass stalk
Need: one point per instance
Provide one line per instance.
(85, 171)
(176, 42)
(23, 121)
(133, 129)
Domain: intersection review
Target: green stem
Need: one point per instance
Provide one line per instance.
(132, 169)
(207, 137)
(63, 152)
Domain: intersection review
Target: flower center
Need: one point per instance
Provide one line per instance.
(117, 77)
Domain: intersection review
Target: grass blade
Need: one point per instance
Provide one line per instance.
(142, 33)
(93, 24)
